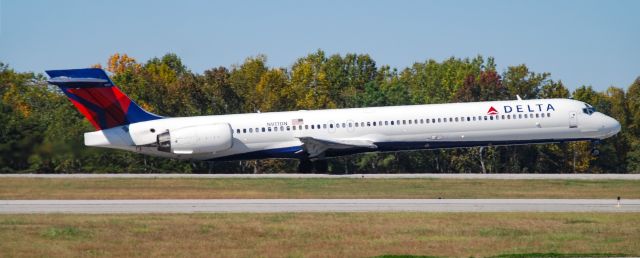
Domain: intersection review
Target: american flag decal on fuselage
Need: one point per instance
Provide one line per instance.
(298, 121)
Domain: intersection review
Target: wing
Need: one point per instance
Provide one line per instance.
(317, 147)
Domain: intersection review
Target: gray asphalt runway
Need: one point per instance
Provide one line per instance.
(316, 205)
(441, 176)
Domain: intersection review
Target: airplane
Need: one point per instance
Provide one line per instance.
(316, 135)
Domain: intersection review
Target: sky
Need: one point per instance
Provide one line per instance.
(582, 42)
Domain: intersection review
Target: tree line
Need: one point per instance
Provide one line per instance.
(41, 132)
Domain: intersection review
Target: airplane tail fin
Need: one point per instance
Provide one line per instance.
(97, 98)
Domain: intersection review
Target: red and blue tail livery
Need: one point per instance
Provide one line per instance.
(98, 99)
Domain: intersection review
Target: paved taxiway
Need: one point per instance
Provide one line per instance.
(439, 176)
(317, 205)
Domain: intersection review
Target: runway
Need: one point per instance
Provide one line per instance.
(374, 176)
(316, 205)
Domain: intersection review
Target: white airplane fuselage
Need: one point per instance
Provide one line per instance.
(320, 134)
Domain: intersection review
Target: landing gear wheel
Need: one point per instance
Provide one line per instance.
(594, 150)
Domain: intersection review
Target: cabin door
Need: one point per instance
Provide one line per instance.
(573, 120)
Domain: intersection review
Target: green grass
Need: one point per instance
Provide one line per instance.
(43, 188)
(560, 255)
(64, 233)
(322, 235)
(518, 255)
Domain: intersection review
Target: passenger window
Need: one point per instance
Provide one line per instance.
(392, 122)
(485, 118)
(251, 130)
(306, 127)
(257, 130)
(268, 128)
(344, 125)
(491, 118)
(525, 116)
(300, 127)
(288, 128)
(361, 124)
(537, 115)
(433, 120)
(542, 115)
(368, 123)
(520, 116)
(237, 130)
(474, 118)
(337, 125)
(275, 128)
(324, 126)
(409, 121)
(548, 114)
(330, 125)
(386, 122)
(502, 117)
(313, 127)
(438, 120)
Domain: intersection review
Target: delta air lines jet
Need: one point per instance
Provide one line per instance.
(320, 134)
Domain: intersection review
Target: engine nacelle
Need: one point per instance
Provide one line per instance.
(196, 139)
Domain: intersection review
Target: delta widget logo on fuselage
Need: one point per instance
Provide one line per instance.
(522, 108)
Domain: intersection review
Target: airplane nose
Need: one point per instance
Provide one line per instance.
(612, 125)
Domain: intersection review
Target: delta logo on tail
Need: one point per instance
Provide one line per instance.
(492, 111)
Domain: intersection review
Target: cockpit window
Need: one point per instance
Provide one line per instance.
(588, 109)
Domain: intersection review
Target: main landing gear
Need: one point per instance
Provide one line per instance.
(594, 148)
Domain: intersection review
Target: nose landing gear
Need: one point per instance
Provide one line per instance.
(594, 148)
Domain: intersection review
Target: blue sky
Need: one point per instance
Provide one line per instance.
(579, 42)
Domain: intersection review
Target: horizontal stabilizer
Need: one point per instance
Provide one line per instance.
(87, 77)
(63, 81)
